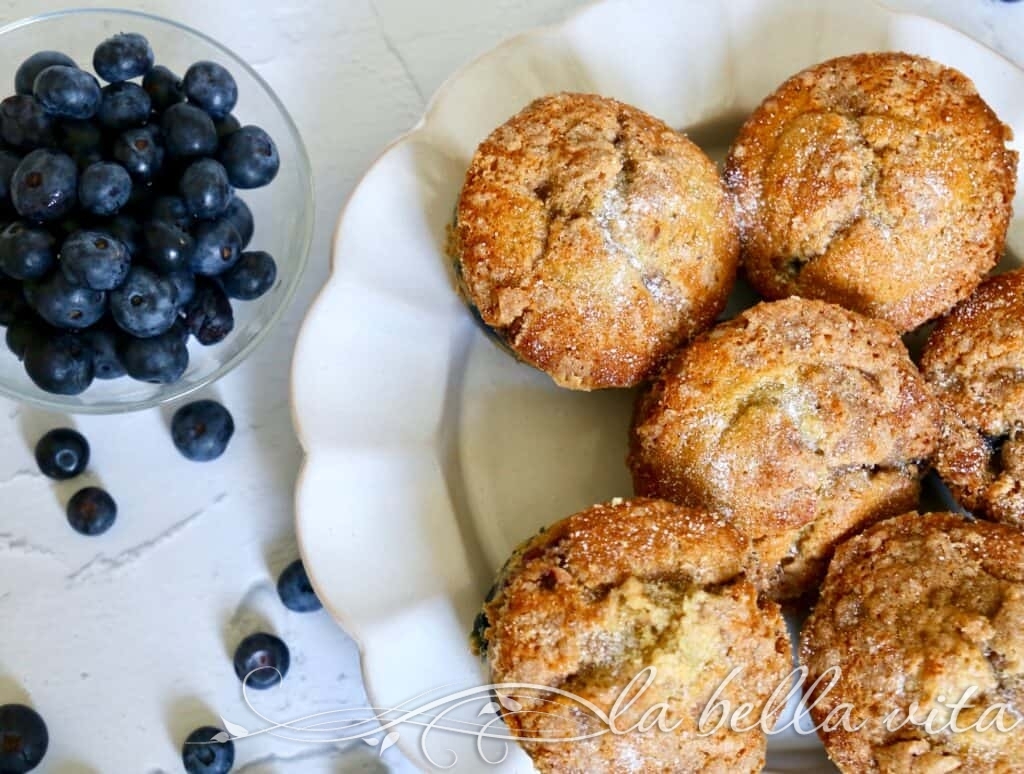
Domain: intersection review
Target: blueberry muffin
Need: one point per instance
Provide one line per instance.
(588, 604)
(799, 421)
(593, 239)
(881, 182)
(918, 615)
(974, 361)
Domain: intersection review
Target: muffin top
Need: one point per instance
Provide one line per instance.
(795, 412)
(593, 239)
(922, 609)
(880, 182)
(589, 603)
(974, 360)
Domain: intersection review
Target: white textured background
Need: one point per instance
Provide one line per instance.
(123, 642)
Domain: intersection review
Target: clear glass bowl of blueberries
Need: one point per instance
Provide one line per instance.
(156, 210)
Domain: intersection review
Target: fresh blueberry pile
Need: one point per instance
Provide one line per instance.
(121, 234)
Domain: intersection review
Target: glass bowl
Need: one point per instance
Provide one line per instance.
(283, 211)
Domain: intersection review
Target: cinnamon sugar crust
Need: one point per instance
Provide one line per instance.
(590, 602)
(800, 421)
(594, 239)
(922, 609)
(880, 181)
(974, 361)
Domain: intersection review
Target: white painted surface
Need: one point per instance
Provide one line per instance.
(123, 642)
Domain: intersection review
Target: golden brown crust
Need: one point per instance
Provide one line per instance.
(880, 181)
(913, 609)
(594, 239)
(800, 421)
(974, 360)
(589, 603)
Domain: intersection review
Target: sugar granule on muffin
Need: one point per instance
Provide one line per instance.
(592, 601)
(593, 239)
(800, 421)
(880, 181)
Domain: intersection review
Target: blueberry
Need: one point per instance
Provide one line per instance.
(261, 661)
(104, 188)
(201, 430)
(64, 304)
(188, 131)
(201, 755)
(12, 301)
(218, 247)
(205, 188)
(23, 739)
(25, 77)
(95, 260)
(250, 158)
(45, 185)
(208, 315)
(103, 340)
(26, 252)
(226, 126)
(211, 87)
(122, 57)
(185, 283)
(24, 124)
(127, 231)
(140, 151)
(8, 163)
(59, 362)
(146, 304)
(67, 92)
(166, 247)
(253, 275)
(171, 209)
(24, 331)
(296, 591)
(159, 359)
(91, 511)
(124, 105)
(163, 87)
(240, 216)
(62, 453)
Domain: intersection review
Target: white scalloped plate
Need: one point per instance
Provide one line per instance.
(430, 453)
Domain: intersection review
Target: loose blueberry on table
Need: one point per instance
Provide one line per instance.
(91, 511)
(113, 197)
(296, 591)
(201, 430)
(201, 755)
(261, 661)
(62, 453)
(23, 739)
